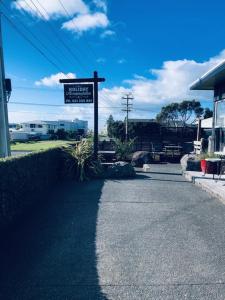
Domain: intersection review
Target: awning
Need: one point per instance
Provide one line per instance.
(210, 79)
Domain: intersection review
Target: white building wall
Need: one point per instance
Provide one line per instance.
(43, 127)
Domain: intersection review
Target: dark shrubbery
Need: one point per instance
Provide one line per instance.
(24, 178)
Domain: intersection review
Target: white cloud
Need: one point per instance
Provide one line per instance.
(108, 33)
(52, 9)
(53, 80)
(172, 81)
(86, 22)
(164, 85)
(101, 4)
(83, 17)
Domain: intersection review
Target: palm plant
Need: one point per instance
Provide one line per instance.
(80, 161)
(124, 149)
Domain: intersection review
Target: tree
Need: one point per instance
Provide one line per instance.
(61, 134)
(208, 113)
(185, 111)
(168, 114)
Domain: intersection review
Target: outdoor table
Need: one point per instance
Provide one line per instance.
(173, 149)
(215, 165)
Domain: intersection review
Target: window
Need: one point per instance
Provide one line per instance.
(40, 126)
(32, 125)
(220, 114)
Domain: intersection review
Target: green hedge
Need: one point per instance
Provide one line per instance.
(23, 178)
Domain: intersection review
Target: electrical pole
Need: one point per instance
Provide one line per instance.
(127, 108)
(4, 125)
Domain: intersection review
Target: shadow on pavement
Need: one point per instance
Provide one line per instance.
(52, 253)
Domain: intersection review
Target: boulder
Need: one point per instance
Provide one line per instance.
(189, 162)
(140, 158)
(120, 170)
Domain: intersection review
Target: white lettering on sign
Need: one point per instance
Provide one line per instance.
(78, 93)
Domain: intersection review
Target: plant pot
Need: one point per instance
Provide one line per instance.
(203, 165)
(212, 167)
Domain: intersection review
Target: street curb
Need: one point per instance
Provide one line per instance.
(200, 183)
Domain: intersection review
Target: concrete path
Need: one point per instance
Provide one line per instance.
(154, 237)
(215, 186)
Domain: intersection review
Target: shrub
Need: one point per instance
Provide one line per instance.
(205, 155)
(80, 162)
(124, 149)
(23, 178)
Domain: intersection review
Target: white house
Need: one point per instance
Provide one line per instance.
(43, 127)
(214, 80)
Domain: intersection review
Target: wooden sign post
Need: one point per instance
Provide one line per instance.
(80, 92)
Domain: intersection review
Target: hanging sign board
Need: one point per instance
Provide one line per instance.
(78, 93)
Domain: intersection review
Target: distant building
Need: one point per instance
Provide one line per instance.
(14, 125)
(44, 127)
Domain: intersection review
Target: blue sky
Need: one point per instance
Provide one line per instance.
(153, 49)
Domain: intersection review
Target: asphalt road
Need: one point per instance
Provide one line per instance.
(154, 237)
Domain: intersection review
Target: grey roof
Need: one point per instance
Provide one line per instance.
(210, 79)
(141, 120)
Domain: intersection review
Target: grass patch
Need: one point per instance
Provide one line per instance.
(38, 145)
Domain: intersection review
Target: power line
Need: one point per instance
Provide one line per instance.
(58, 36)
(91, 49)
(33, 35)
(56, 33)
(30, 42)
(32, 9)
(71, 17)
(66, 105)
(53, 105)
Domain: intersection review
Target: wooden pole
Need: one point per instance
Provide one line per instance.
(95, 81)
(96, 115)
(199, 129)
(4, 123)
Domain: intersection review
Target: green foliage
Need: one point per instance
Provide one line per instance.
(117, 130)
(124, 149)
(61, 134)
(205, 155)
(23, 178)
(80, 162)
(208, 113)
(184, 112)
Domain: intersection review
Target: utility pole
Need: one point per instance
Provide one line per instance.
(127, 108)
(4, 124)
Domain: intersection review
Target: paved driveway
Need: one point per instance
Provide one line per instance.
(154, 237)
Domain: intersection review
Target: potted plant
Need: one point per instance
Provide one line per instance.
(206, 168)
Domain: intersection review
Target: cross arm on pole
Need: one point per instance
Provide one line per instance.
(80, 80)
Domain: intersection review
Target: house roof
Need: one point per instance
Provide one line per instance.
(141, 120)
(210, 79)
